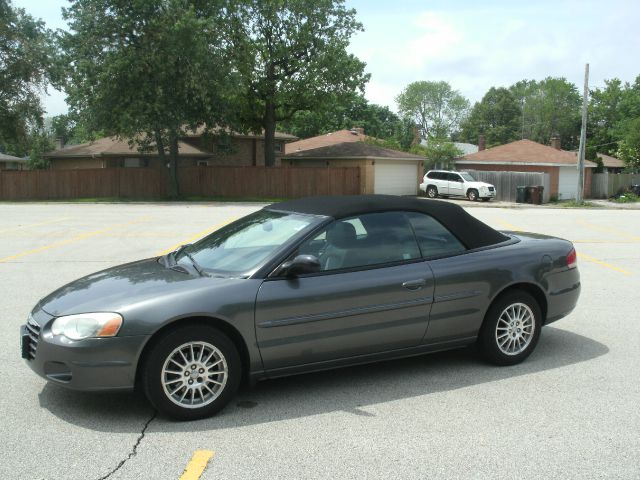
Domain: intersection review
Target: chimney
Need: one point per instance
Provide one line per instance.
(59, 143)
(555, 142)
(481, 143)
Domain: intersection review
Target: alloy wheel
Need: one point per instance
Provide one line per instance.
(515, 329)
(194, 374)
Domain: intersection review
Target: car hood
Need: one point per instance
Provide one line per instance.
(119, 287)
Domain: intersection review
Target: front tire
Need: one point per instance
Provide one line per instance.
(511, 329)
(472, 195)
(432, 192)
(192, 372)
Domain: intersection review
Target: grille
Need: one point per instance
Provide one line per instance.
(33, 330)
(491, 189)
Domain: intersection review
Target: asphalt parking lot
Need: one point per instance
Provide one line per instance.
(570, 411)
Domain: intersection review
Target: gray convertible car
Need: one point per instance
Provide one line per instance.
(299, 286)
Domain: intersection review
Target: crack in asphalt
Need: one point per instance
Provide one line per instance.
(134, 450)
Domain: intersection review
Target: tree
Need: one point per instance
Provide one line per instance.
(439, 153)
(354, 111)
(614, 116)
(291, 56)
(497, 116)
(550, 107)
(147, 70)
(40, 143)
(434, 106)
(26, 66)
(70, 130)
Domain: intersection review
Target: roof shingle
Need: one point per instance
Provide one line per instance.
(524, 152)
(340, 136)
(353, 150)
(111, 146)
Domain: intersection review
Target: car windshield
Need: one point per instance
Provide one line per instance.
(467, 177)
(240, 247)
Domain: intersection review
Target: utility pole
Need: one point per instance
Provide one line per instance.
(583, 137)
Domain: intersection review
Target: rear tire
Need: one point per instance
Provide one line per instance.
(511, 328)
(432, 192)
(192, 372)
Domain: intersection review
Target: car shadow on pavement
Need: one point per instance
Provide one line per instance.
(347, 389)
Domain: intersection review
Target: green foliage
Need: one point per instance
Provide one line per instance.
(343, 113)
(439, 153)
(291, 56)
(497, 116)
(26, 65)
(630, 155)
(41, 143)
(627, 197)
(434, 106)
(147, 70)
(549, 107)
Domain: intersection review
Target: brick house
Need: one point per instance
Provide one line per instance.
(196, 149)
(530, 156)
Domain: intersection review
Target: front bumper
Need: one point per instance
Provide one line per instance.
(92, 364)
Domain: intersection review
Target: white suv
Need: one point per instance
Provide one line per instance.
(456, 184)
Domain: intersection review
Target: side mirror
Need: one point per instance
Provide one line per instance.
(300, 265)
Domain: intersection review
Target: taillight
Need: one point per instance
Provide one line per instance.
(572, 259)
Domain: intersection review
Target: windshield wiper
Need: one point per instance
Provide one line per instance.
(195, 264)
(183, 249)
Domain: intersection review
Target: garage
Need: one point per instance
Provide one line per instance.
(395, 178)
(567, 183)
(382, 170)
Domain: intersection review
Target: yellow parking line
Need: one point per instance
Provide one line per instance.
(608, 230)
(21, 227)
(509, 226)
(71, 240)
(196, 466)
(196, 236)
(603, 264)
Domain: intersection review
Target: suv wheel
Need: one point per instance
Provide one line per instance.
(432, 192)
(472, 195)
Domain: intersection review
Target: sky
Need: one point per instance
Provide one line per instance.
(473, 45)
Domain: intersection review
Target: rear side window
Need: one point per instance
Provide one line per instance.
(433, 175)
(433, 238)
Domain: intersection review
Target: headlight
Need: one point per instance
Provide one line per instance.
(85, 325)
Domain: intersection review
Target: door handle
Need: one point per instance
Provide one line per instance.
(414, 284)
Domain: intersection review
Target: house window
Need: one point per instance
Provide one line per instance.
(203, 163)
(223, 144)
(277, 147)
(132, 162)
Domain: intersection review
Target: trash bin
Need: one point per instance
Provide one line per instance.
(534, 195)
(520, 194)
(528, 198)
(541, 190)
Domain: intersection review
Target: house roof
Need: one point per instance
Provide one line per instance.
(351, 150)
(287, 137)
(325, 140)
(11, 158)
(611, 162)
(523, 152)
(114, 147)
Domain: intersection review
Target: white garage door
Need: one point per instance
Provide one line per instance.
(396, 178)
(567, 183)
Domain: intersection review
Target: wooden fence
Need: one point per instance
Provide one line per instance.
(150, 183)
(605, 185)
(506, 182)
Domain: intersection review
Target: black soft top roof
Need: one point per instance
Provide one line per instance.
(469, 230)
